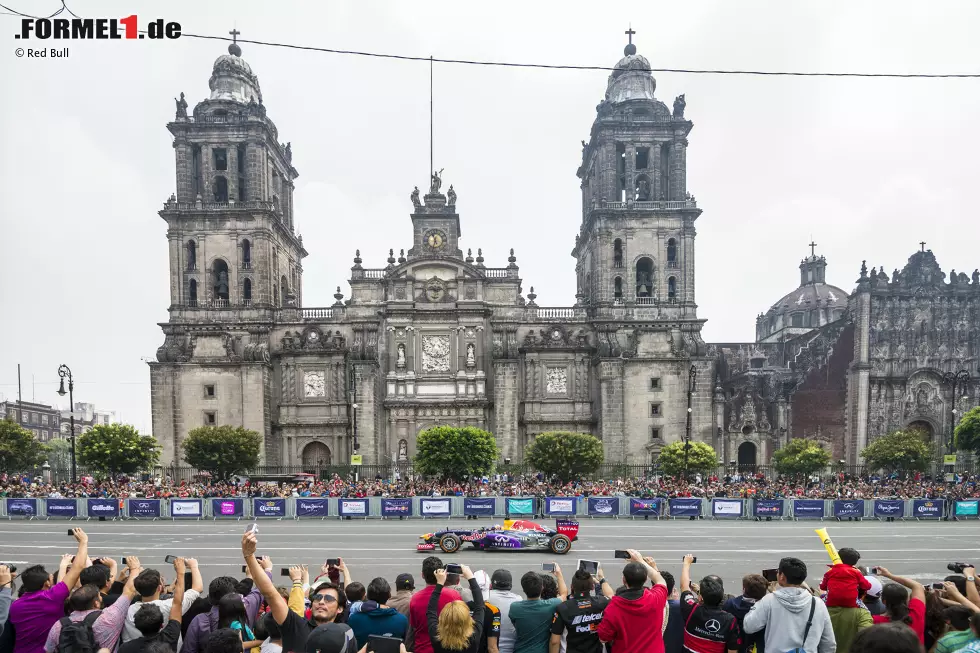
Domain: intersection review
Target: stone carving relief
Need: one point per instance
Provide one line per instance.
(470, 355)
(435, 353)
(314, 384)
(312, 339)
(400, 363)
(557, 381)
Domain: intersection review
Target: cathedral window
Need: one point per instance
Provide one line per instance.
(671, 289)
(209, 391)
(617, 253)
(284, 288)
(192, 293)
(655, 410)
(247, 292)
(191, 255)
(664, 171)
(644, 277)
(654, 383)
(655, 433)
(210, 418)
(275, 294)
(797, 319)
(672, 253)
(220, 189)
(196, 171)
(241, 172)
(642, 158)
(618, 288)
(621, 170)
(219, 276)
(220, 158)
(246, 254)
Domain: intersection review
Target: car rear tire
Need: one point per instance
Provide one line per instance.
(450, 543)
(560, 544)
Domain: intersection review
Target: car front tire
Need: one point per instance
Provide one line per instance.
(450, 543)
(560, 544)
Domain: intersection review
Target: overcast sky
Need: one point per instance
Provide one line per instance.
(868, 168)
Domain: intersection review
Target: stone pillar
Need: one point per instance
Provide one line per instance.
(506, 406)
(368, 416)
(687, 243)
(612, 417)
(653, 166)
(856, 430)
(718, 423)
(185, 170)
(255, 171)
(678, 173)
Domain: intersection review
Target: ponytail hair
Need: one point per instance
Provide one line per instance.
(896, 600)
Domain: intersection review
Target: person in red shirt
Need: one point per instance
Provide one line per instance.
(842, 582)
(419, 602)
(634, 619)
(900, 606)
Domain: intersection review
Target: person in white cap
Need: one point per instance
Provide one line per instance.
(872, 598)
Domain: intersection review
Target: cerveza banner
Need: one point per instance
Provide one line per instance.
(479, 506)
(102, 507)
(144, 507)
(603, 506)
(312, 508)
(269, 507)
(61, 507)
(396, 507)
(928, 508)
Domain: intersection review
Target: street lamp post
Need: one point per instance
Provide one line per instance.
(691, 386)
(956, 380)
(64, 372)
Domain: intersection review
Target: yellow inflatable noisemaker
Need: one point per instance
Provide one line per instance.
(829, 545)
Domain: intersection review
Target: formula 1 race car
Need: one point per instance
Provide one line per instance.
(514, 534)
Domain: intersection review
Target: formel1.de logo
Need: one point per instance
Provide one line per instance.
(96, 28)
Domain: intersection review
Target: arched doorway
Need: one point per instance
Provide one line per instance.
(924, 427)
(316, 454)
(746, 456)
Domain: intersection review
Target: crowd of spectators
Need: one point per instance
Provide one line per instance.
(94, 604)
(749, 486)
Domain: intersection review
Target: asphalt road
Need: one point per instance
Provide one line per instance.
(386, 548)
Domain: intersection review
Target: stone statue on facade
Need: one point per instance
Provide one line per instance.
(181, 107)
(400, 362)
(679, 104)
(451, 195)
(470, 355)
(436, 182)
(289, 152)
(416, 202)
(402, 451)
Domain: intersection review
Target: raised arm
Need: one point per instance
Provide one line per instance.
(562, 587)
(197, 583)
(918, 591)
(686, 573)
(604, 586)
(81, 559)
(955, 598)
(651, 566)
(296, 601)
(432, 610)
(277, 604)
(176, 608)
(971, 585)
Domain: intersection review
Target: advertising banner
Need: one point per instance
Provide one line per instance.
(646, 507)
(61, 508)
(685, 507)
(396, 507)
(434, 507)
(186, 508)
(848, 508)
(22, 507)
(144, 508)
(768, 507)
(352, 507)
(889, 508)
(928, 508)
(726, 508)
(312, 508)
(603, 506)
(484, 506)
(967, 508)
(227, 508)
(560, 505)
(102, 507)
(808, 508)
(520, 506)
(269, 508)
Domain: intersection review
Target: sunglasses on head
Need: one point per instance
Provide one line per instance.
(326, 598)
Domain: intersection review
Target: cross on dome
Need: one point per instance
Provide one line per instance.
(630, 49)
(813, 247)
(234, 48)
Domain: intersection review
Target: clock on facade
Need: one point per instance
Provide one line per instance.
(435, 239)
(313, 384)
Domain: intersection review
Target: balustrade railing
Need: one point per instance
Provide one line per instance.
(495, 273)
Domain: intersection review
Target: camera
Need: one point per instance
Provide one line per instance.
(693, 559)
(621, 554)
(9, 566)
(453, 569)
(958, 567)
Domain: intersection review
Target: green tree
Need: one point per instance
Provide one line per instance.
(456, 453)
(800, 457)
(903, 451)
(222, 450)
(701, 457)
(967, 433)
(20, 451)
(59, 455)
(565, 455)
(117, 448)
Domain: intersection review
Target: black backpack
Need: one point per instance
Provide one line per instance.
(77, 636)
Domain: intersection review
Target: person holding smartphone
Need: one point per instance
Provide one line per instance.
(455, 630)
(634, 619)
(578, 618)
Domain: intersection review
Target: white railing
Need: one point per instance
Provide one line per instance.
(317, 313)
(556, 313)
(495, 273)
(646, 301)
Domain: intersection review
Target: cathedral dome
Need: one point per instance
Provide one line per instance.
(631, 79)
(811, 305)
(232, 78)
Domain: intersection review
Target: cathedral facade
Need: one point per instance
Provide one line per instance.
(439, 338)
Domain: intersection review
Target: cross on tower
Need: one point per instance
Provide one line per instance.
(234, 35)
(922, 244)
(813, 247)
(630, 32)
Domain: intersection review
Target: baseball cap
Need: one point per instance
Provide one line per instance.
(875, 586)
(483, 581)
(331, 638)
(405, 582)
(502, 579)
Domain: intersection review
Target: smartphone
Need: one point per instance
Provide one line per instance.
(252, 528)
(284, 571)
(71, 532)
(453, 568)
(548, 566)
(622, 555)
(382, 644)
(169, 560)
(244, 569)
(770, 574)
(188, 579)
(333, 562)
(124, 560)
(938, 586)
(693, 559)
(589, 566)
(874, 571)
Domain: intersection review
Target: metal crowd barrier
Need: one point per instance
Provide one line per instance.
(496, 507)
